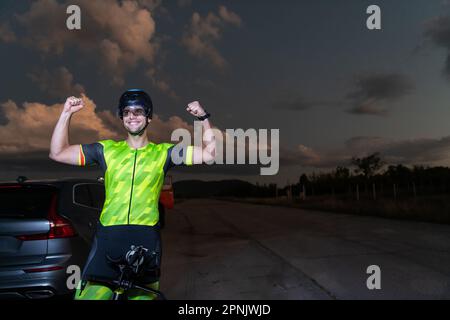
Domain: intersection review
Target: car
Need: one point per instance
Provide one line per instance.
(47, 226)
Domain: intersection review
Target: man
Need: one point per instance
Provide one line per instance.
(134, 171)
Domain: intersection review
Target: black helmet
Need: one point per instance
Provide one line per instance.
(135, 97)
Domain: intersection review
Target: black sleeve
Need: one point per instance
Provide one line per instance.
(91, 154)
(169, 163)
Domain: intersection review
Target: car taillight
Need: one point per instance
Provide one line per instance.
(59, 227)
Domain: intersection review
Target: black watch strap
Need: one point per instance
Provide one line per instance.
(206, 116)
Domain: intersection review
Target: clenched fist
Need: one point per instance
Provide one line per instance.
(73, 105)
(196, 109)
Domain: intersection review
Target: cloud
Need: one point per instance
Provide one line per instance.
(160, 130)
(419, 151)
(119, 34)
(229, 16)
(36, 121)
(301, 155)
(160, 83)
(6, 34)
(374, 93)
(364, 145)
(438, 31)
(202, 32)
(408, 151)
(57, 83)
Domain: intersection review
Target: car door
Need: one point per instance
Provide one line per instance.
(88, 201)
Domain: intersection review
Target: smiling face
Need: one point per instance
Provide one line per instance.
(134, 119)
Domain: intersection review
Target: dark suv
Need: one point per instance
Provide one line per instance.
(45, 226)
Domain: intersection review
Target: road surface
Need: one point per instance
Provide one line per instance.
(228, 250)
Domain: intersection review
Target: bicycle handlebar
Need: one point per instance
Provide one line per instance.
(130, 268)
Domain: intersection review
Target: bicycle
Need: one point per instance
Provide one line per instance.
(130, 267)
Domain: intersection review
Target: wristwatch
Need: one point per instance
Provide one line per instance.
(206, 116)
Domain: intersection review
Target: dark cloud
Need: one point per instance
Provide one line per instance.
(412, 151)
(438, 31)
(203, 32)
(57, 83)
(419, 151)
(120, 35)
(374, 93)
(408, 152)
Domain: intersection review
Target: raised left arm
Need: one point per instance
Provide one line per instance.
(207, 152)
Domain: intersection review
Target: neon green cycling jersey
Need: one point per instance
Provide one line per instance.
(133, 179)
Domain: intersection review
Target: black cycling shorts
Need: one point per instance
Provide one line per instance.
(115, 241)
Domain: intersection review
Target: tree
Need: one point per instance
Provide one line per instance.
(369, 165)
(303, 180)
(399, 173)
(342, 173)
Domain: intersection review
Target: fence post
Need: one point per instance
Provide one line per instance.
(357, 192)
(414, 190)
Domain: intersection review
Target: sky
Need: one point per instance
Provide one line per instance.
(311, 69)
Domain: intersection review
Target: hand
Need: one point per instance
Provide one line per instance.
(196, 109)
(73, 105)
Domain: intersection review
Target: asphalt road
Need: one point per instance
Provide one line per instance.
(225, 250)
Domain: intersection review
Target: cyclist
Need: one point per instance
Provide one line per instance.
(134, 171)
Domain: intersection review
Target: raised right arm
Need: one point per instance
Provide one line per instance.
(60, 149)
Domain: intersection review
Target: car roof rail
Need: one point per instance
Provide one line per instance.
(21, 179)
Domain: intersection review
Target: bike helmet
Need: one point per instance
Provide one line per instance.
(135, 97)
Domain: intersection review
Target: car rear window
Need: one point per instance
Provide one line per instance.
(22, 201)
